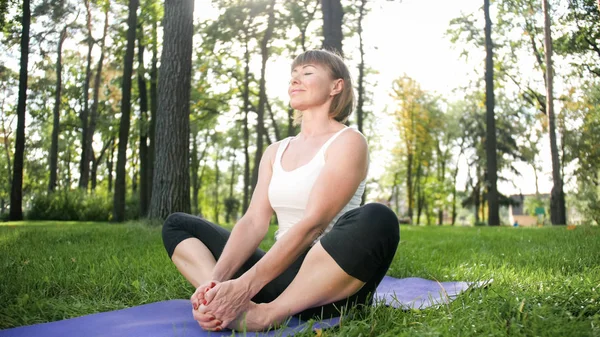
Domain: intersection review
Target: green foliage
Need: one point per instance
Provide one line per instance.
(545, 279)
(74, 205)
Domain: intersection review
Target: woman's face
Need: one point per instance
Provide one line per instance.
(311, 85)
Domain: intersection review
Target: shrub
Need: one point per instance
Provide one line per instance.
(74, 205)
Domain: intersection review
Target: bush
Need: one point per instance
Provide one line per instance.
(480, 223)
(72, 205)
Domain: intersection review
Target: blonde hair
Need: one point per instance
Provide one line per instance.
(343, 103)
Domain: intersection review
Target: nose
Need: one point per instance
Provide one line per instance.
(294, 80)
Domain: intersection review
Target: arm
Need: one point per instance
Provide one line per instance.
(345, 167)
(252, 227)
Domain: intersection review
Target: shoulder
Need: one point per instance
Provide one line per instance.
(271, 151)
(350, 140)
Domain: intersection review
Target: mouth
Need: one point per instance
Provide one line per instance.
(295, 91)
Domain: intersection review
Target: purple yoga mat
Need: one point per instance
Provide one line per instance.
(174, 318)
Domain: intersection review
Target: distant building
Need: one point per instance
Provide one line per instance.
(517, 214)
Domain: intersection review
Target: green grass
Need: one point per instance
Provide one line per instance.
(546, 280)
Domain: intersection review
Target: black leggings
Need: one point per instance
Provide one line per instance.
(362, 242)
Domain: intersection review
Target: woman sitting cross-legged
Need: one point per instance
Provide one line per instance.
(329, 253)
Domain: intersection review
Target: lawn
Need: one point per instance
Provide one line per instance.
(546, 281)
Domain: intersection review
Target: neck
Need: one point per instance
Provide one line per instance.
(316, 123)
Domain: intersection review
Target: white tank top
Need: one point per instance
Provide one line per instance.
(289, 190)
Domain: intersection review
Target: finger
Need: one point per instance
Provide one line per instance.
(210, 295)
(214, 325)
(203, 317)
(195, 301)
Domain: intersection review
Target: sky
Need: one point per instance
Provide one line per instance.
(409, 37)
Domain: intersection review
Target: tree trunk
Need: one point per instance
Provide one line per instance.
(110, 160)
(153, 106)
(492, 166)
(332, 25)
(171, 182)
(143, 126)
(195, 166)
(361, 70)
(84, 164)
(273, 121)
(557, 196)
(360, 114)
(454, 176)
(246, 98)
(56, 114)
(6, 147)
(95, 163)
(231, 183)
(216, 191)
(94, 111)
(16, 192)
(260, 123)
(409, 187)
(120, 182)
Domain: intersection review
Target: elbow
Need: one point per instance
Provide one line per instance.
(315, 227)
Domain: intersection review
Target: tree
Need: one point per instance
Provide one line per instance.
(91, 129)
(120, 182)
(557, 196)
(56, 113)
(16, 194)
(492, 168)
(171, 182)
(333, 14)
(84, 165)
(262, 100)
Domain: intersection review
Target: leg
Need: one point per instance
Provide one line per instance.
(320, 281)
(194, 261)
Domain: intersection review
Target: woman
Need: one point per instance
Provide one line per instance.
(329, 251)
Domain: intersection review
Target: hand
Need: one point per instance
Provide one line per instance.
(198, 299)
(225, 301)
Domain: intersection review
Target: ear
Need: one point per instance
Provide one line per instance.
(338, 86)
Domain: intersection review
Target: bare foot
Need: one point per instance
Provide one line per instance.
(255, 319)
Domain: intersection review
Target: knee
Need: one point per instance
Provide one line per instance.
(172, 222)
(382, 220)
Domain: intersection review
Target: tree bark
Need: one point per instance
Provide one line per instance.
(196, 179)
(84, 164)
(110, 160)
(16, 192)
(332, 25)
(6, 147)
(95, 163)
(262, 98)
(56, 113)
(557, 196)
(94, 111)
(246, 99)
(409, 187)
(273, 121)
(171, 182)
(120, 182)
(216, 191)
(361, 70)
(143, 127)
(231, 183)
(492, 166)
(153, 105)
